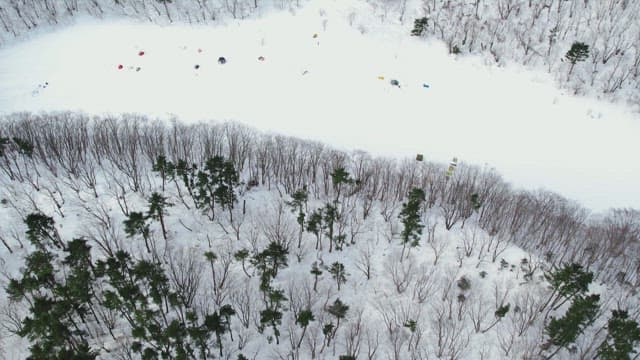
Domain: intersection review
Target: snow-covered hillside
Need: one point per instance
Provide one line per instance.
(329, 88)
(138, 223)
(312, 230)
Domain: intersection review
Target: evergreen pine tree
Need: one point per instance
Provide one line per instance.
(315, 226)
(219, 323)
(268, 261)
(331, 217)
(206, 183)
(242, 255)
(411, 325)
(79, 279)
(24, 146)
(41, 231)
(157, 210)
(271, 259)
(328, 330)
(623, 335)
(339, 310)
(316, 272)
(419, 26)
(500, 313)
(579, 52)
(564, 331)
(215, 184)
(4, 146)
(136, 224)
(141, 293)
(567, 282)
(303, 319)
(476, 203)
(337, 272)
(339, 178)
(272, 315)
(298, 203)
(225, 192)
(166, 169)
(410, 217)
(59, 294)
(188, 176)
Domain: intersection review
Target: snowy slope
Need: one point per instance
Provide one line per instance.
(423, 287)
(511, 119)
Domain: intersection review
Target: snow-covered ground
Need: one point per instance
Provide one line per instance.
(509, 118)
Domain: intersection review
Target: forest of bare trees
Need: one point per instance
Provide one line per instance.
(535, 33)
(238, 243)
(538, 33)
(126, 237)
(18, 17)
(75, 148)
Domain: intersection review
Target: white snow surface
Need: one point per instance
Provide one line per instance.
(513, 119)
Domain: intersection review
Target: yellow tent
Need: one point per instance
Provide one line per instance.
(452, 168)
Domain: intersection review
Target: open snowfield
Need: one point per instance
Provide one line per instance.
(512, 119)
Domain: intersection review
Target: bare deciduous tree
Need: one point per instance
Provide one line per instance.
(363, 261)
(185, 272)
(451, 337)
(401, 272)
(425, 283)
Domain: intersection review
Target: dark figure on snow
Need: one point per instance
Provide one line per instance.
(395, 82)
(222, 60)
